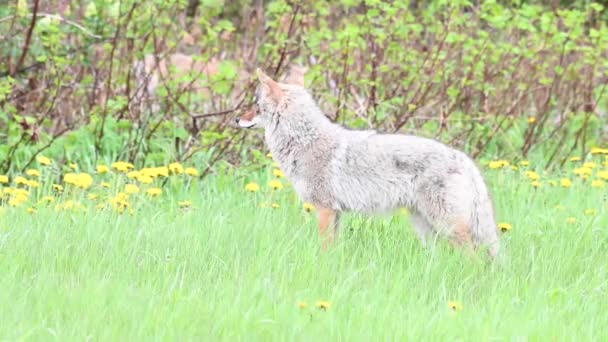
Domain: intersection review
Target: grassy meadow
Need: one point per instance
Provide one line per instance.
(156, 254)
(218, 247)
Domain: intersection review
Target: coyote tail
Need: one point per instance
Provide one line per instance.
(483, 224)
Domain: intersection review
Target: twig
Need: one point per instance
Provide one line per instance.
(223, 112)
(284, 48)
(55, 137)
(28, 38)
(60, 18)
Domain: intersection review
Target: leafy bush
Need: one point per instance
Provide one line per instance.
(493, 79)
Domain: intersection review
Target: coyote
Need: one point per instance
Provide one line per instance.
(340, 170)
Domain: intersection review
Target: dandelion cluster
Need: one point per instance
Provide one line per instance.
(119, 187)
(580, 174)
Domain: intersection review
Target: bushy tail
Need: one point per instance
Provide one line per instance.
(483, 225)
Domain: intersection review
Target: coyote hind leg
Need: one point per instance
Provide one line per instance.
(328, 226)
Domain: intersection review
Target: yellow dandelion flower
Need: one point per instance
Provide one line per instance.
(80, 180)
(269, 155)
(275, 185)
(275, 206)
(190, 171)
(153, 192)
(145, 179)
(176, 168)
(532, 175)
(591, 212)
(154, 172)
(184, 204)
(583, 171)
(32, 173)
(603, 175)
(131, 189)
(148, 171)
(32, 184)
(505, 227)
(120, 202)
(324, 305)
(565, 183)
(455, 305)
(21, 192)
(597, 183)
(73, 166)
(121, 196)
(498, 164)
(308, 207)
(598, 150)
(531, 119)
(571, 220)
(31, 210)
(105, 184)
(524, 163)
(252, 187)
(70, 178)
(132, 174)
(3, 179)
(302, 305)
(161, 171)
(590, 165)
(43, 160)
(122, 166)
(101, 169)
(17, 200)
(57, 187)
(278, 173)
(536, 184)
(575, 159)
(20, 180)
(84, 180)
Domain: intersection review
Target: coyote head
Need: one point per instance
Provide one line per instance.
(273, 99)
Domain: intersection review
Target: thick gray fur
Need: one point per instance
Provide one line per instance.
(364, 171)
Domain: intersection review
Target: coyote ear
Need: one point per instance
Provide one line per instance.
(271, 86)
(296, 75)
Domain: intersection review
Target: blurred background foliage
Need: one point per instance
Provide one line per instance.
(80, 80)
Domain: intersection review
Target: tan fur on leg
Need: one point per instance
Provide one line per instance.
(327, 226)
(461, 236)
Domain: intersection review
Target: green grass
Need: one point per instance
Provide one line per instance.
(227, 269)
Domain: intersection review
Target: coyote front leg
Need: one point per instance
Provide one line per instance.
(328, 226)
